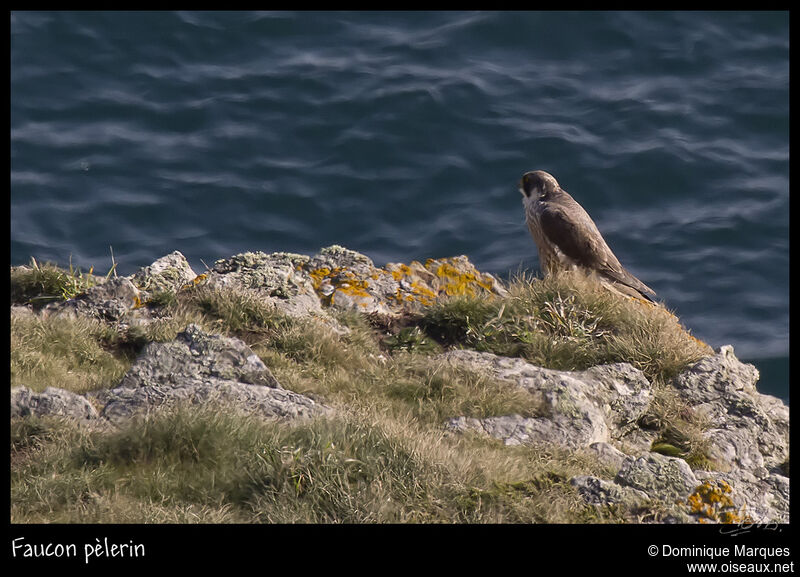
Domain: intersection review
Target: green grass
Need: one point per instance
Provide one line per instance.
(40, 284)
(384, 457)
(210, 466)
(63, 352)
(567, 322)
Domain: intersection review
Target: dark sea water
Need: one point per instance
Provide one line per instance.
(403, 136)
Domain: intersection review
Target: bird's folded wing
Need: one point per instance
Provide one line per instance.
(575, 234)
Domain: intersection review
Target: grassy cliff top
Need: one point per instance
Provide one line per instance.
(384, 458)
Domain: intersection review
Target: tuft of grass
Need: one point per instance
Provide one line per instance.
(64, 352)
(39, 284)
(437, 391)
(680, 429)
(232, 310)
(568, 322)
(412, 339)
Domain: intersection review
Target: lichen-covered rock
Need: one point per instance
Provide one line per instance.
(600, 492)
(196, 355)
(608, 455)
(201, 368)
(579, 407)
(663, 478)
(168, 274)
(749, 430)
(295, 284)
(343, 279)
(457, 276)
(109, 301)
(749, 433)
(349, 280)
(279, 278)
(599, 408)
(721, 498)
(50, 402)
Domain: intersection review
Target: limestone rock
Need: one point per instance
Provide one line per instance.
(580, 407)
(198, 367)
(750, 430)
(602, 493)
(608, 455)
(50, 402)
(667, 479)
(109, 301)
(279, 278)
(120, 299)
(599, 408)
(350, 281)
(167, 274)
(122, 403)
(195, 356)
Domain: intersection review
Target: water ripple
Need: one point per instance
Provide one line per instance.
(404, 135)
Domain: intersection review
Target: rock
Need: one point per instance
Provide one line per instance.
(743, 497)
(749, 434)
(608, 455)
(662, 478)
(168, 274)
(279, 278)
(50, 402)
(196, 368)
(580, 407)
(346, 280)
(518, 430)
(599, 408)
(296, 285)
(599, 492)
(109, 301)
(121, 299)
(749, 430)
(196, 356)
(201, 368)
(122, 403)
(349, 280)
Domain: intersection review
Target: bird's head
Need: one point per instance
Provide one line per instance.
(537, 185)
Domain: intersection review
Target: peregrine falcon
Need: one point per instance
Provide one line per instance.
(568, 238)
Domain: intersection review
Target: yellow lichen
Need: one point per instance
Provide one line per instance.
(423, 294)
(195, 281)
(403, 270)
(711, 501)
(354, 287)
(342, 280)
(318, 275)
(457, 282)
